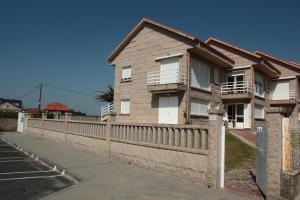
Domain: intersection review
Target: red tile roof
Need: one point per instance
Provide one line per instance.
(55, 106)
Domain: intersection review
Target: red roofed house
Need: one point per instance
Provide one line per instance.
(56, 107)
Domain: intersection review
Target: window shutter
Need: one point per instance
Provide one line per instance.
(126, 73)
(259, 112)
(199, 107)
(125, 106)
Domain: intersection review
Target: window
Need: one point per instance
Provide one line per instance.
(200, 74)
(126, 73)
(199, 107)
(259, 112)
(259, 85)
(125, 106)
(216, 76)
(280, 90)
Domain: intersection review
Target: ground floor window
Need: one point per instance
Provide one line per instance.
(259, 112)
(125, 106)
(199, 107)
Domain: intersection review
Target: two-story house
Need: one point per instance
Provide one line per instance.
(163, 75)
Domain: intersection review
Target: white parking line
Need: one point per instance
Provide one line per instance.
(3, 161)
(31, 177)
(5, 158)
(28, 172)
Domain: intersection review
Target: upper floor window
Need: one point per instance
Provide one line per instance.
(125, 106)
(200, 74)
(126, 73)
(199, 107)
(280, 90)
(259, 84)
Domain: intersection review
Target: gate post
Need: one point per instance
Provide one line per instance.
(111, 117)
(26, 117)
(274, 151)
(215, 176)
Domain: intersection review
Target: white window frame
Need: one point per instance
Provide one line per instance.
(259, 84)
(255, 113)
(201, 103)
(126, 77)
(197, 67)
(123, 109)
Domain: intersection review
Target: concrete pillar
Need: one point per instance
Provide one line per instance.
(44, 115)
(56, 115)
(26, 117)
(108, 131)
(274, 150)
(214, 134)
(68, 116)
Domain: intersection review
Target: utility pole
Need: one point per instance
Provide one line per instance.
(40, 96)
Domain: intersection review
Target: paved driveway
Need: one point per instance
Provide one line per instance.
(112, 180)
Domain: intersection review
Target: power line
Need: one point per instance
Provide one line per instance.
(69, 91)
(27, 93)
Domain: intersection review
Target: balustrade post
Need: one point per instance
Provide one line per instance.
(68, 117)
(196, 139)
(189, 139)
(177, 137)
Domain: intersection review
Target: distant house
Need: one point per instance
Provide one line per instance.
(10, 105)
(56, 107)
(32, 110)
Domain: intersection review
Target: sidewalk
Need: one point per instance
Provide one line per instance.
(113, 180)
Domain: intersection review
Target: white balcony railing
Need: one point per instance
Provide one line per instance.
(284, 95)
(236, 87)
(106, 109)
(165, 77)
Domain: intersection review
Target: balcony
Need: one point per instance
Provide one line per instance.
(236, 90)
(283, 97)
(166, 81)
(106, 109)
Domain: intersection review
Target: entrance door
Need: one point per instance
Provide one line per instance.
(168, 110)
(235, 114)
(169, 70)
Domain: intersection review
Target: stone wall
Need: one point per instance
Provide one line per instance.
(188, 151)
(8, 124)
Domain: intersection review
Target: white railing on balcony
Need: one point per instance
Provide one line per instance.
(283, 95)
(106, 109)
(236, 87)
(165, 77)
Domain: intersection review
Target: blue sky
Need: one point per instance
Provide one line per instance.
(65, 43)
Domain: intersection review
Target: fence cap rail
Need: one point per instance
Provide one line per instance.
(182, 126)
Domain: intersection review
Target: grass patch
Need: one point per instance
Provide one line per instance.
(237, 153)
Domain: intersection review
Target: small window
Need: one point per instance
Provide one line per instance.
(199, 107)
(200, 76)
(125, 106)
(259, 85)
(126, 73)
(259, 112)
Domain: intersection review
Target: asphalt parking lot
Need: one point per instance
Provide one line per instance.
(24, 176)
